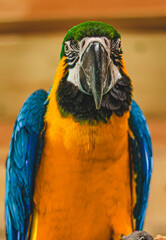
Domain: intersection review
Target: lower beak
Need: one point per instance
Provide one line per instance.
(94, 72)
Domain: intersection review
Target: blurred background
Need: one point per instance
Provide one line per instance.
(31, 33)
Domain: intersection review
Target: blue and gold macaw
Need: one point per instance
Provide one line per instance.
(80, 158)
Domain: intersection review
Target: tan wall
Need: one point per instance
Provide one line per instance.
(41, 9)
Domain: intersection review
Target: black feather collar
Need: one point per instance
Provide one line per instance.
(82, 107)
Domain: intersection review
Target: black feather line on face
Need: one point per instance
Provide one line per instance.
(82, 107)
(116, 51)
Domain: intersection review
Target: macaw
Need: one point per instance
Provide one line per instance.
(80, 159)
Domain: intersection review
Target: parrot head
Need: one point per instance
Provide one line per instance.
(95, 82)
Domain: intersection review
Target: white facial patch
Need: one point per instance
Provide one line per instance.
(73, 75)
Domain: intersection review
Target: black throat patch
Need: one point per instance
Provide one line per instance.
(72, 101)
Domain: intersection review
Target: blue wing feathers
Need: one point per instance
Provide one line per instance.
(141, 149)
(21, 165)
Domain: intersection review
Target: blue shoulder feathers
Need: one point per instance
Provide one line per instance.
(23, 158)
(141, 156)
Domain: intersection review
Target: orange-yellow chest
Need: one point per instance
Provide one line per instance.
(83, 184)
(82, 187)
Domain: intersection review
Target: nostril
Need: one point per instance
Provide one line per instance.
(106, 42)
(83, 43)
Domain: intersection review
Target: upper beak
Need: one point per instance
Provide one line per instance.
(94, 72)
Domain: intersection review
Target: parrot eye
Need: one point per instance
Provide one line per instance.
(66, 47)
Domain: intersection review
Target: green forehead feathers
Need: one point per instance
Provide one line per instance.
(90, 29)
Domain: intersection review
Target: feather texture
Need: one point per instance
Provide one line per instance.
(24, 152)
(141, 154)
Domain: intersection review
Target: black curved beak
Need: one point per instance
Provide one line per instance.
(94, 72)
